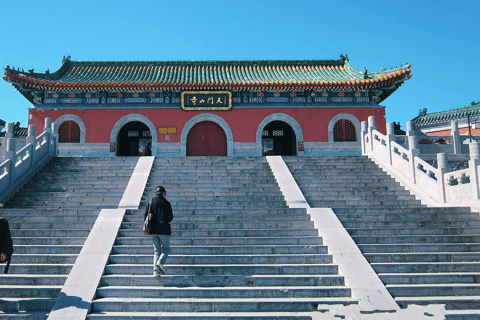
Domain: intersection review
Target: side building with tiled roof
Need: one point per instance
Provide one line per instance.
(439, 123)
(214, 108)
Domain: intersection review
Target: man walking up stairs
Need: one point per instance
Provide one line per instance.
(237, 251)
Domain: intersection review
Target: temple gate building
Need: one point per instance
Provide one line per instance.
(208, 108)
(439, 123)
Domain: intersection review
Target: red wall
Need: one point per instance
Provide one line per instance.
(242, 121)
(462, 131)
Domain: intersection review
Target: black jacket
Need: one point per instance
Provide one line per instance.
(162, 216)
(6, 244)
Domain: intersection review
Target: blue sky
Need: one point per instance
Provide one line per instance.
(441, 39)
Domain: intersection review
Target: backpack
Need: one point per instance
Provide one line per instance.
(159, 212)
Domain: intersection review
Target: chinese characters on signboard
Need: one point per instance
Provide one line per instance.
(206, 100)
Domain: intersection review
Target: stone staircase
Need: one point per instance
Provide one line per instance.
(50, 218)
(237, 250)
(423, 255)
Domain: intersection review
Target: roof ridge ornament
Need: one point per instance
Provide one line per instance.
(66, 59)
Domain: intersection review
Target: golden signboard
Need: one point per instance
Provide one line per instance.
(167, 130)
(206, 100)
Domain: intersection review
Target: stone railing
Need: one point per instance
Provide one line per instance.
(19, 166)
(439, 186)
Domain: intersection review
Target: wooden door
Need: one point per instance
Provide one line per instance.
(206, 139)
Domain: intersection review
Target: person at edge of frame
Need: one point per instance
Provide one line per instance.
(6, 244)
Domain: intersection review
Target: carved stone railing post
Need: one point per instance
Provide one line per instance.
(48, 125)
(442, 163)
(410, 128)
(32, 134)
(473, 164)
(54, 138)
(48, 128)
(390, 138)
(413, 151)
(32, 139)
(8, 135)
(10, 153)
(457, 143)
(363, 135)
(371, 127)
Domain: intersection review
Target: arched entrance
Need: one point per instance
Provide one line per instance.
(344, 130)
(206, 139)
(132, 139)
(69, 132)
(278, 138)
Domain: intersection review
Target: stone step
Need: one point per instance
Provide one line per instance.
(36, 291)
(54, 217)
(44, 258)
(434, 267)
(46, 249)
(51, 225)
(196, 219)
(230, 213)
(226, 259)
(40, 269)
(374, 200)
(61, 196)
(205, 315)
(402, 211)
(363, 204)
(32, 213)
(36, 307)
(222, 281)
(49, 233)
(423, 257)
(225, 269)
(451, 302)
(206, 200)
(220, 203)
(411, 217)
(225, 250)
(229, 233)
(214, 226)
(214, 305)
(227, 241)
(424, 248)
(48, 241)
(420, 239)
(462, 314)
(339, 192)
(64, 205)
(30, 280)
(419, 224)
(248, 292)
(430, 278)
(424, 231)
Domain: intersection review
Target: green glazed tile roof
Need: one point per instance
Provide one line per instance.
(143, 76)
(472, 111)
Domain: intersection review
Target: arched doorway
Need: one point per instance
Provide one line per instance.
(132, 139)
(344, 130)
(206, 139)
(278, 138)
(69, 132)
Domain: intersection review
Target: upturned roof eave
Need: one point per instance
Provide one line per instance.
(447, 116)
(41, 84)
